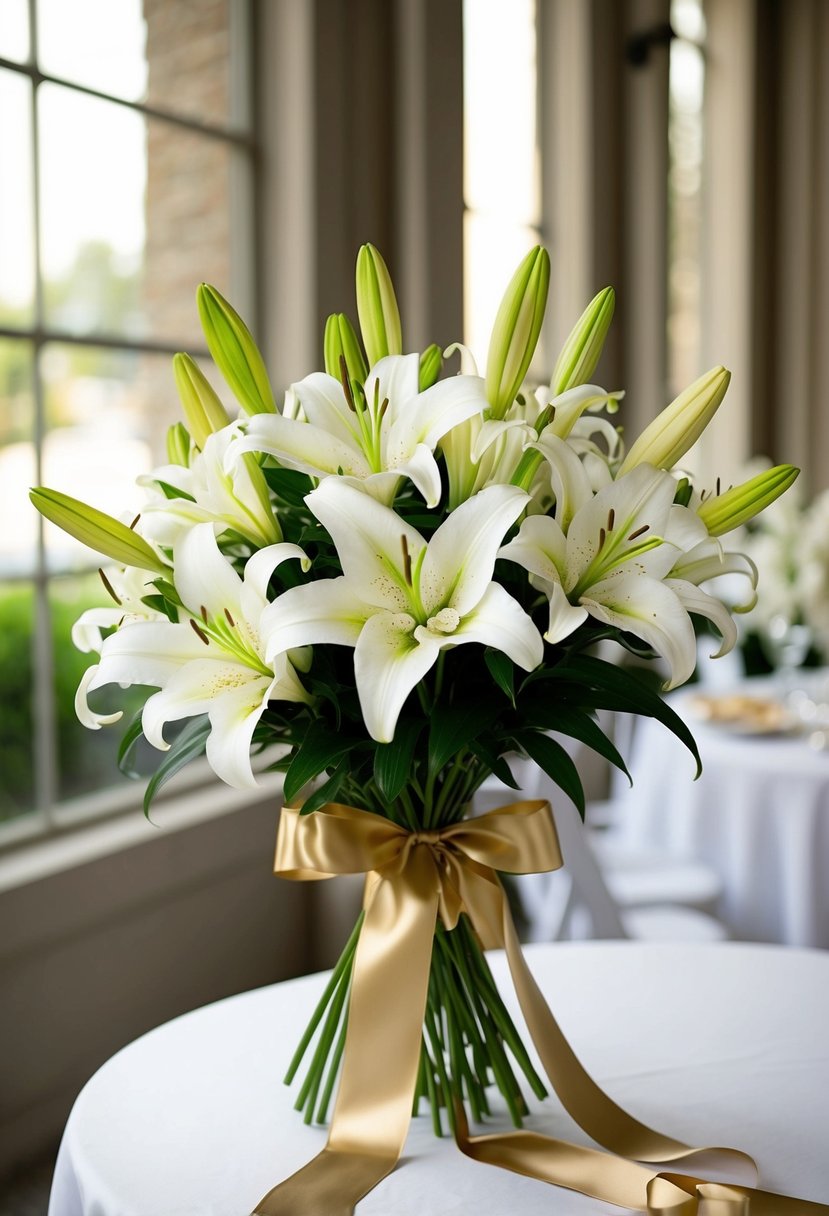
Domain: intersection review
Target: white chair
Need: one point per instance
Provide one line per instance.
(577, 902)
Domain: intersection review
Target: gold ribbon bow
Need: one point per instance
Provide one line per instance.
(412, 877)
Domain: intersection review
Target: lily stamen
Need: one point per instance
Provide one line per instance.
(407, 561)
(203, 612)
(109, 587)
(602, 539)
(346, 383)
(135, 521)
(611, 519)
(230, 619)
(639, 532)
(199, 631)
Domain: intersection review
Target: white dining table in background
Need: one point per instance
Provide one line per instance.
(758, 814)
(717, 1045)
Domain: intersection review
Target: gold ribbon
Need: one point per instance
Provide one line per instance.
(412, 878)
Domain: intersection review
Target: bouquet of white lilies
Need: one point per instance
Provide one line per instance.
(398, 575)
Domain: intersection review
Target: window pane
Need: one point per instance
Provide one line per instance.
(17, 262)
(492, 250)
(87, 759)
(16, 723)
(108, 413)
(14, 30)
(134, 215)
(17, 460)
(176, 56)
(501, 168)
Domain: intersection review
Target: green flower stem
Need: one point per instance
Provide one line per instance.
(344, 964)
(310, 1088)
(431, 1091)
(333, 1071)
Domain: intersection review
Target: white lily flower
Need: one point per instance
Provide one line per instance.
(212, 662)
(231, 498)
(402, 600)
(372, 438)
(612, 561)
(127, 587)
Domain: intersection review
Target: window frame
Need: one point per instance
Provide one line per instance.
(49, 815)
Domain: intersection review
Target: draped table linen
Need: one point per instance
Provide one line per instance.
(714, 1044)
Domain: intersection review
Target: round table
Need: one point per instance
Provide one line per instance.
(722, 1044)
(758, 814)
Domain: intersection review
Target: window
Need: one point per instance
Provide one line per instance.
(127, 156)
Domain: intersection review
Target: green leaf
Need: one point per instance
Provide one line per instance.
(502, 670)
(289, 484)
(317, 752)
(188, 746)
(555, 762)
(453, 726)
(329, 789)
(159, 604)
(126, 748)
(496, 764)
(575, 722)
(605, 686)
(393, 761)
(172, 491)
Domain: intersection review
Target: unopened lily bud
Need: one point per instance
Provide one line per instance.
(234, 352)
(96, 529)
(203, 410)
(431, 361)
(516, 329)
(582, 350)
(341, 342)
(680, 424)
(377, 306)
(737, 506)
(178, 444)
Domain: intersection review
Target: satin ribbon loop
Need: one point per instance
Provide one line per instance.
(412, 878)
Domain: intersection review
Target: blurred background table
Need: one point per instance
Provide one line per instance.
(719, 1044)
(758, 814)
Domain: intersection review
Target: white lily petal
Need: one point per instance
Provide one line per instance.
(86, 716)
(86, 631)
(460, 558)
(651, 611)
(327, 611)
(233, 719)
(204, 577)
(498, 620)
(570, 482)
(492, 429)
(368, 537)
(396, 378)
(565, 617)
(468, 365)
(429, 416)
(193, 690)
(324, 405)
(570, 406)
(423, 472)
(381, 486)
(299, 445)
(147, 653)
(257, 575)
(540, 547)
(388, 663)
(685, 529)
(697, 602)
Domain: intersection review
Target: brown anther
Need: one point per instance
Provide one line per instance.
(407, 561)
(135, 521)
(109, 587)
(602, 537)
(611, 519)
(197, 629)
(639, 532)
(203, 612)
(346, 383)
(230, 619)
(384, 407)
(718, 485)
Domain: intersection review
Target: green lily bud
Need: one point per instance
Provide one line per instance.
(580, 353)
(724, 512)
(234, 352)
(516, 329)
(680, 424)
(431, 362)
(377, 306)
(178, 444)
(202, 408)
(341, 341)
(96, 529)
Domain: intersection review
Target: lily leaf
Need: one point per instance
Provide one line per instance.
(502, 670)
(188, 746)
(328, 790)
(393, 761)
(554, 760)
(317, 752)
(452, 727)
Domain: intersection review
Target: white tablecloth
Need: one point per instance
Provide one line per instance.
(717, 1045)
(759, 814)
